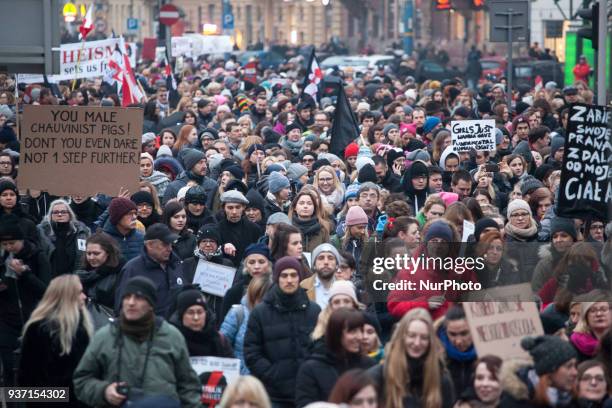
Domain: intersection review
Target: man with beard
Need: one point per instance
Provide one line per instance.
(195, 207)
(258, 110)
(195, 171)
(384, 175)
(237, 232)
(325, 260)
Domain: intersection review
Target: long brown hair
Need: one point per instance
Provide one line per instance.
(183, 137)
(318, 210)
(396, 370)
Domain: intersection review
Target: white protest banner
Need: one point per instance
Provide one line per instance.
(210, 44)
(497, 328)
(39, 78)
(181, 46)
(213, 278)
(215, 374)
(473, 134)
(93, 61)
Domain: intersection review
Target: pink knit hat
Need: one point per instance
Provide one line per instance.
(343, 287)
(356, 216)
(448, 198)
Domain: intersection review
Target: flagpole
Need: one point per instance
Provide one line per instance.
(17, 107)
(76, 71)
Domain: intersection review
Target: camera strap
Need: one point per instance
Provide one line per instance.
(146, 363)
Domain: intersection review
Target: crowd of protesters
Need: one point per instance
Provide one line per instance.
(97, 293)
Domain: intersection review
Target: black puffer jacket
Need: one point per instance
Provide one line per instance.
(276, 341)
(185, 245)
(100, 284)
(318, 375)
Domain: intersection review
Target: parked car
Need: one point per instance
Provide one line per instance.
(525, 72)
(428, 69)
(493, 68)
(358, 63)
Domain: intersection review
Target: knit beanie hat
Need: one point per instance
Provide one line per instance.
(351, 191)
(552, 322)
(10, 230)
(362, 161)
(352, 149)
(418, 169)
(277, 182)
(409, 128)
(292, 126)
(422, 155)
(163, 151)
(326, 248)
(563, 224)
(356, 216)
(191, 157)
(118, 208)
(556, 143)
(367, 173)
(196, 195)
(142, 197)
(208, 231)
(388, 127)
(287, 262)
(543, 171)
(483, 224)
(148, 137)
(235, 171)
(499, 136)
(548, 352)
(258, 248)
(255, 147)
(143, 287)
(343, 287)
(296, 170)
(274, 167)
(8, 185)
(448, 197)
(188, 298)
(529, 184)
(147, 156)
(372, 320)
(394, 154)
(515, 205)
(278, 218)
(439, 229)
(430, 123)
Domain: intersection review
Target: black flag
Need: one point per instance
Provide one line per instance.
(345, 128)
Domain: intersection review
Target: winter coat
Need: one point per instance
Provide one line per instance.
(168, 371)
(524, 253)
(42, 365)
(19, 297)
(184, 246)
(234, 328)
(100, 284)
(87, 212)
(313, 234)
(517, 378)
(415, 391)
(278, 335)
(460, 364)
(241, 234)
(234, 295)
(506, 273)
(544, 270)
(167, 280)
(392, 182)
(73, 245)
(319, 373)
(206, 342)
(271, 207)
(159, 180)
(210, 186)
(401, 301)
(130, 244)
(26, 224)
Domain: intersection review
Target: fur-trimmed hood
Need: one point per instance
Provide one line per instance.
(545, 252)
(511, 382)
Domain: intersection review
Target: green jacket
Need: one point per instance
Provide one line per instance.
(168, 372)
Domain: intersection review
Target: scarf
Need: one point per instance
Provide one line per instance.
(195, 177)
(452, 352)
(140, 330)
(522, 234)
(207, 257)
(285, 300)
(293, 146)
(308, 227)
(206, 342)
(586, 343)
(336, 198)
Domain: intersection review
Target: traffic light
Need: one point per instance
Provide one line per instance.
(592, 15)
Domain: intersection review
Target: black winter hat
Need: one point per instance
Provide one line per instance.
(563, 224)
(552, 323)
(414, 144)
(530, 184)
(392, 155)
(142, 197)
(367, 173)
(10, 230)
(292, 126)
(270, 135)
(235, 171)
(320, 163)
(196, 195)
(237, 185)
(143, 287)
(372, 320)
(188, 298)
(8, 185)
(418, 169)
(483, 224)
(208, 231)
(548, 352)
(255, 200)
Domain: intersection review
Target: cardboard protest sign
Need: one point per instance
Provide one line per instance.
(68, 150)
(497, 328)
(93, 60)
(507, 293)
(215, 374)
(214, 278)
(585, 190)
(473, 134)
(181, 46)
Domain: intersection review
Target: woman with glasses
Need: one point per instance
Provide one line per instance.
(63, 238)
(329, 186)
(7, 166)
(593, 388)
(521, 233)
(595, 321)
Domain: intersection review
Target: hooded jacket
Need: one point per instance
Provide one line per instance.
(277, 339)
(130, 244)
(416, 197)
(73, 244)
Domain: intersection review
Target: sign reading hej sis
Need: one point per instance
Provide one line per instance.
(585, 177)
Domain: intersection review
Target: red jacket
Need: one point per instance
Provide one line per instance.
(401, 301)
(581, 72)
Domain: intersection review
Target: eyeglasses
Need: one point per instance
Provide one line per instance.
(195, 312)
(588, 378)
(60, 212)
(519, 215)
(593, 227)
(143, 205)
(8, 163)
(598, 310)
(326, 179)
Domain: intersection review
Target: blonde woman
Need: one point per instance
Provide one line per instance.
(245, 391)
(328, 184)
(55, 337)
(413, 373)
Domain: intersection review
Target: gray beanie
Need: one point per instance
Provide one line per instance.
(422, 155)
(191, 157)
(529, 184)
(276, 182)
(326, 248)
(388, 127)
(148, 137)
(556, 143)
(548, 352)
(296, 170)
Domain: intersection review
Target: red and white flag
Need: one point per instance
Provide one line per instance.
(87, 24)
(120, 71)
(539, 83)
(313, 78)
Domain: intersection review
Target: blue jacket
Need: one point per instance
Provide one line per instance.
(234, 328)
(130, 245)
(167, 281)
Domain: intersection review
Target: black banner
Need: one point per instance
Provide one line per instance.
(585, 190)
